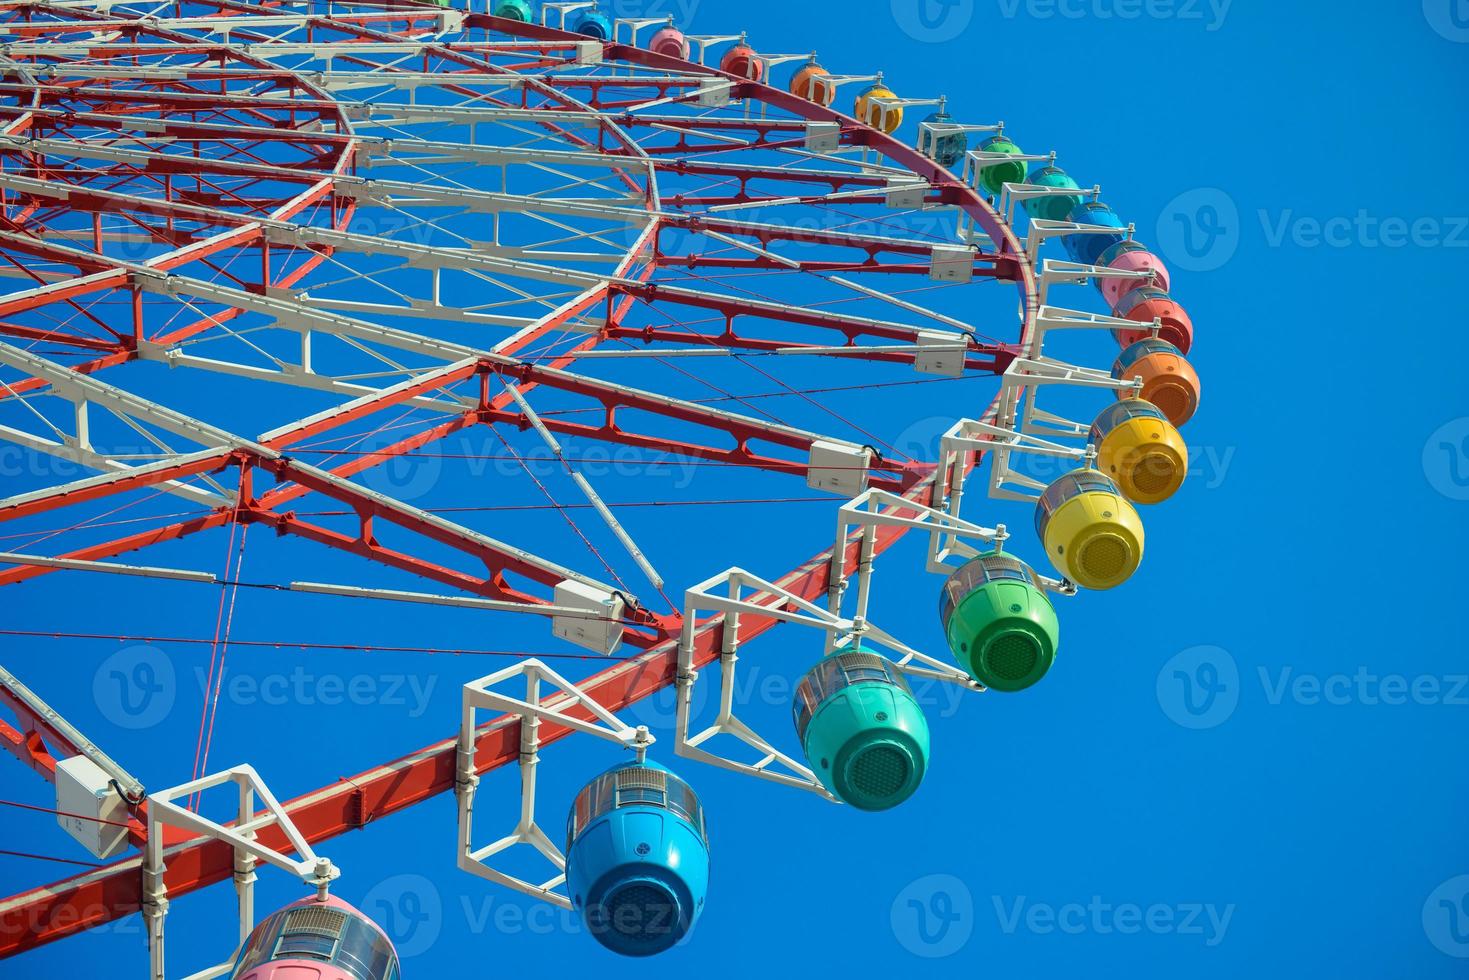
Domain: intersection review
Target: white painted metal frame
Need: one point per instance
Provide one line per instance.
(975, 162)
(699, 44)
(1041, 230)
(736, 592)
(635, 26)
(929, 133)
(295, 310)
(531, 709)
(242, 835)
(1015, 194)
(1018, 425)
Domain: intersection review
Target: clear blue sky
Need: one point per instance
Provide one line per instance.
(1250, 760)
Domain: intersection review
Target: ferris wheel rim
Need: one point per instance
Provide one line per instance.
(633, 672)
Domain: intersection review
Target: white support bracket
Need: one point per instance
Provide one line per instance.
(635, 25)
(1026, 375)
(1017, 422)
(701, 43)
(886, 107)
(1013, 194)
(970, 435)
(824, 87)
(736, 592)
(1048, 318)
(1055, 272)
(1043, 229)
(570, 707)
(562, 8)
(978, 161)
(929, 133)
(950, 538)
(242, 835)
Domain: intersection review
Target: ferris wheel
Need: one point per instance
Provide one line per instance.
(283, 247)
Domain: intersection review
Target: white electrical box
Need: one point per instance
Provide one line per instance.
(714, 92)
(823, 137)
(85, 790)
(838, 468)
(603, 634)
(940, 352)
(908, 195)
(589, 52)
(951, 263)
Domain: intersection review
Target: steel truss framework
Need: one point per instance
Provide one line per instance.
(280, 193)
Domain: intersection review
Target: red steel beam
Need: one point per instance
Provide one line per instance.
(989, 358)
(38, 744)
(43, 915)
